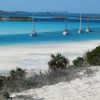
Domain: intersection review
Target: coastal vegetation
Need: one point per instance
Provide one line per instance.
(79, 61)
(59, 71)
(58, 61)
(90, 58)
(93, 57)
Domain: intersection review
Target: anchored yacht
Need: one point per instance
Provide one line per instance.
(33, 33)
(88, 29)
(80, 29)
(66, 31)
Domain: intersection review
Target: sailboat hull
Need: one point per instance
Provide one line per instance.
(88, 30)
(80, 31)
(65, 33)
(33, 34)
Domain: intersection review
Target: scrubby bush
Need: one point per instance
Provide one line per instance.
(51, 77)
(58, 61)
(93, 57)
(6, 95)
(17, 74)
(78, 62)
(2, 81)
(16, 81)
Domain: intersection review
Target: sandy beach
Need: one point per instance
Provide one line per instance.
(84, 88)
(36, 56)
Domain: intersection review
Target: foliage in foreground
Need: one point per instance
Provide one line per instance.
(2, 81)
(89, 58)
(79, 62)
(59, 71)
(93, 57)
(58, 61)
(16, 81)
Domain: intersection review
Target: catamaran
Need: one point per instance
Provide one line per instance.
(33, 33)
(80, 29)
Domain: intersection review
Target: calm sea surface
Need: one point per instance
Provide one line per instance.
(17, 32)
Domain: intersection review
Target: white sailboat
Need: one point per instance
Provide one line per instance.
(66, 31)
(33, 33)
(88, 29)
(80, 29)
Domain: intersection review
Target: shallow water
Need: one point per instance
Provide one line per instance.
(17, 32)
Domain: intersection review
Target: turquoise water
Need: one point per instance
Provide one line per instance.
(17, 32)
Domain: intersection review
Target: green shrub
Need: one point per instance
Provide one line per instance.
(16, 80)
(58, 61)
(93, 57)
(17, 74)
(2, 81)
(6, 95)
(78, 62)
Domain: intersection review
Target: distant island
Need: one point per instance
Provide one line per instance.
(42, 16)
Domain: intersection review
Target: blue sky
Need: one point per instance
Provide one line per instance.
(88, 6)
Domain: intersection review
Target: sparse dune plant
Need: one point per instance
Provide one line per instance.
(79, 62)
(93, 56)
(58, 61)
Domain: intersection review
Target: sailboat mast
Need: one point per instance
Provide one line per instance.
(33, 33)
(80, 29)
(88, 21)
(66, 19)
(32, 24)
(80, 21)
(65, 22)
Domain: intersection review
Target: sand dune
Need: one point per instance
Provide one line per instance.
(84, 88)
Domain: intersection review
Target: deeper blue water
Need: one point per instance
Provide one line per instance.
(17, 32)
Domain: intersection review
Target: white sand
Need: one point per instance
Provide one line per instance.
(37, 56)
(78, 89)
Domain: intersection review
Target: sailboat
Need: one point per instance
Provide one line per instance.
(80, 29)
(88, 29)
(66, 31)
(33, 33)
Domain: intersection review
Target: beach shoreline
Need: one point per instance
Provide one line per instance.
(36, 56)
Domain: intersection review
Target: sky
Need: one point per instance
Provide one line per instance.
(79, 6)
